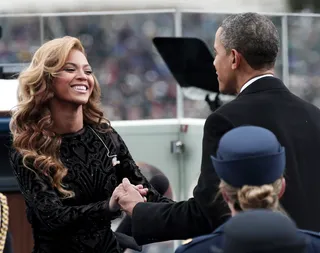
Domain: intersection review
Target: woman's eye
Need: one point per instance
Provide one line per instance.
(87, 72)
(69, 70)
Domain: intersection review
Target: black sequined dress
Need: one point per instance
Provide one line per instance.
(81, 224)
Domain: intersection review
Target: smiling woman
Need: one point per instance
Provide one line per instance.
(66, 156)
(72, 86)
(77, 76)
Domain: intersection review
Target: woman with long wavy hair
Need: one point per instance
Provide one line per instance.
(250, 163)
(66, 156)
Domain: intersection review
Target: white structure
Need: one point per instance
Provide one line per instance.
(39, 6)
(8, 96)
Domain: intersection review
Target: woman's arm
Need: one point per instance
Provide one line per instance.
(45, 203)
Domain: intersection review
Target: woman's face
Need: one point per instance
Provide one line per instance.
(74, 82)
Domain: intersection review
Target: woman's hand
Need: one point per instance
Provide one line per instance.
(113, 203)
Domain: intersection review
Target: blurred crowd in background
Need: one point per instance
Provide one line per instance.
(135, 82)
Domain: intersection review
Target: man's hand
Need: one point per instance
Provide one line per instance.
(120, 192)
(128, 195)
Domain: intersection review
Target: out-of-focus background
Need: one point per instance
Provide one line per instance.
(139, 94)
(135, 82)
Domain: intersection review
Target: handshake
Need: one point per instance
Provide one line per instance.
(126, 196)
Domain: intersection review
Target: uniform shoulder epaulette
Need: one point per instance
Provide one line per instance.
(194, 241)
(184, 242)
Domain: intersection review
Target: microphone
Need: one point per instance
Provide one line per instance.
(160, 183)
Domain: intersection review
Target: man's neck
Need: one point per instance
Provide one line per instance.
(245, 78)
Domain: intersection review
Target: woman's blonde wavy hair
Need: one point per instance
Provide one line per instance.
(31, 121)
(254, 197)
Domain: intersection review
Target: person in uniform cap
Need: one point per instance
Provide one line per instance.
(250, 163)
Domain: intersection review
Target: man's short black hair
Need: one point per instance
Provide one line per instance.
(254, 36)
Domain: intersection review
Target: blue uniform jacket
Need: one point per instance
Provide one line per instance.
(214, 242)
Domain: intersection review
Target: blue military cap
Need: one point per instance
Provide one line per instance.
(262, 231)
(249, 155)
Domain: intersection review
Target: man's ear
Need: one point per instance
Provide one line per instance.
(283, 187)
(236, 58)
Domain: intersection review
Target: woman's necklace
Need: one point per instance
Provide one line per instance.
(114, 157)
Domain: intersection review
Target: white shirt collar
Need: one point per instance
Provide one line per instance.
(253, 80)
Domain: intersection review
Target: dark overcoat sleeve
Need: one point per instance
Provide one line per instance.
(154, 222)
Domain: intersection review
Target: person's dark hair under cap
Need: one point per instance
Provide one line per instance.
(249, 155)
(262, 231)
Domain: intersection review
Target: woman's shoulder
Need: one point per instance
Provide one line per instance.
(309, 232)
(14, 154)
(314, 235)
(104, 127)
(15, 157)
(313, 239)
(106, 131)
